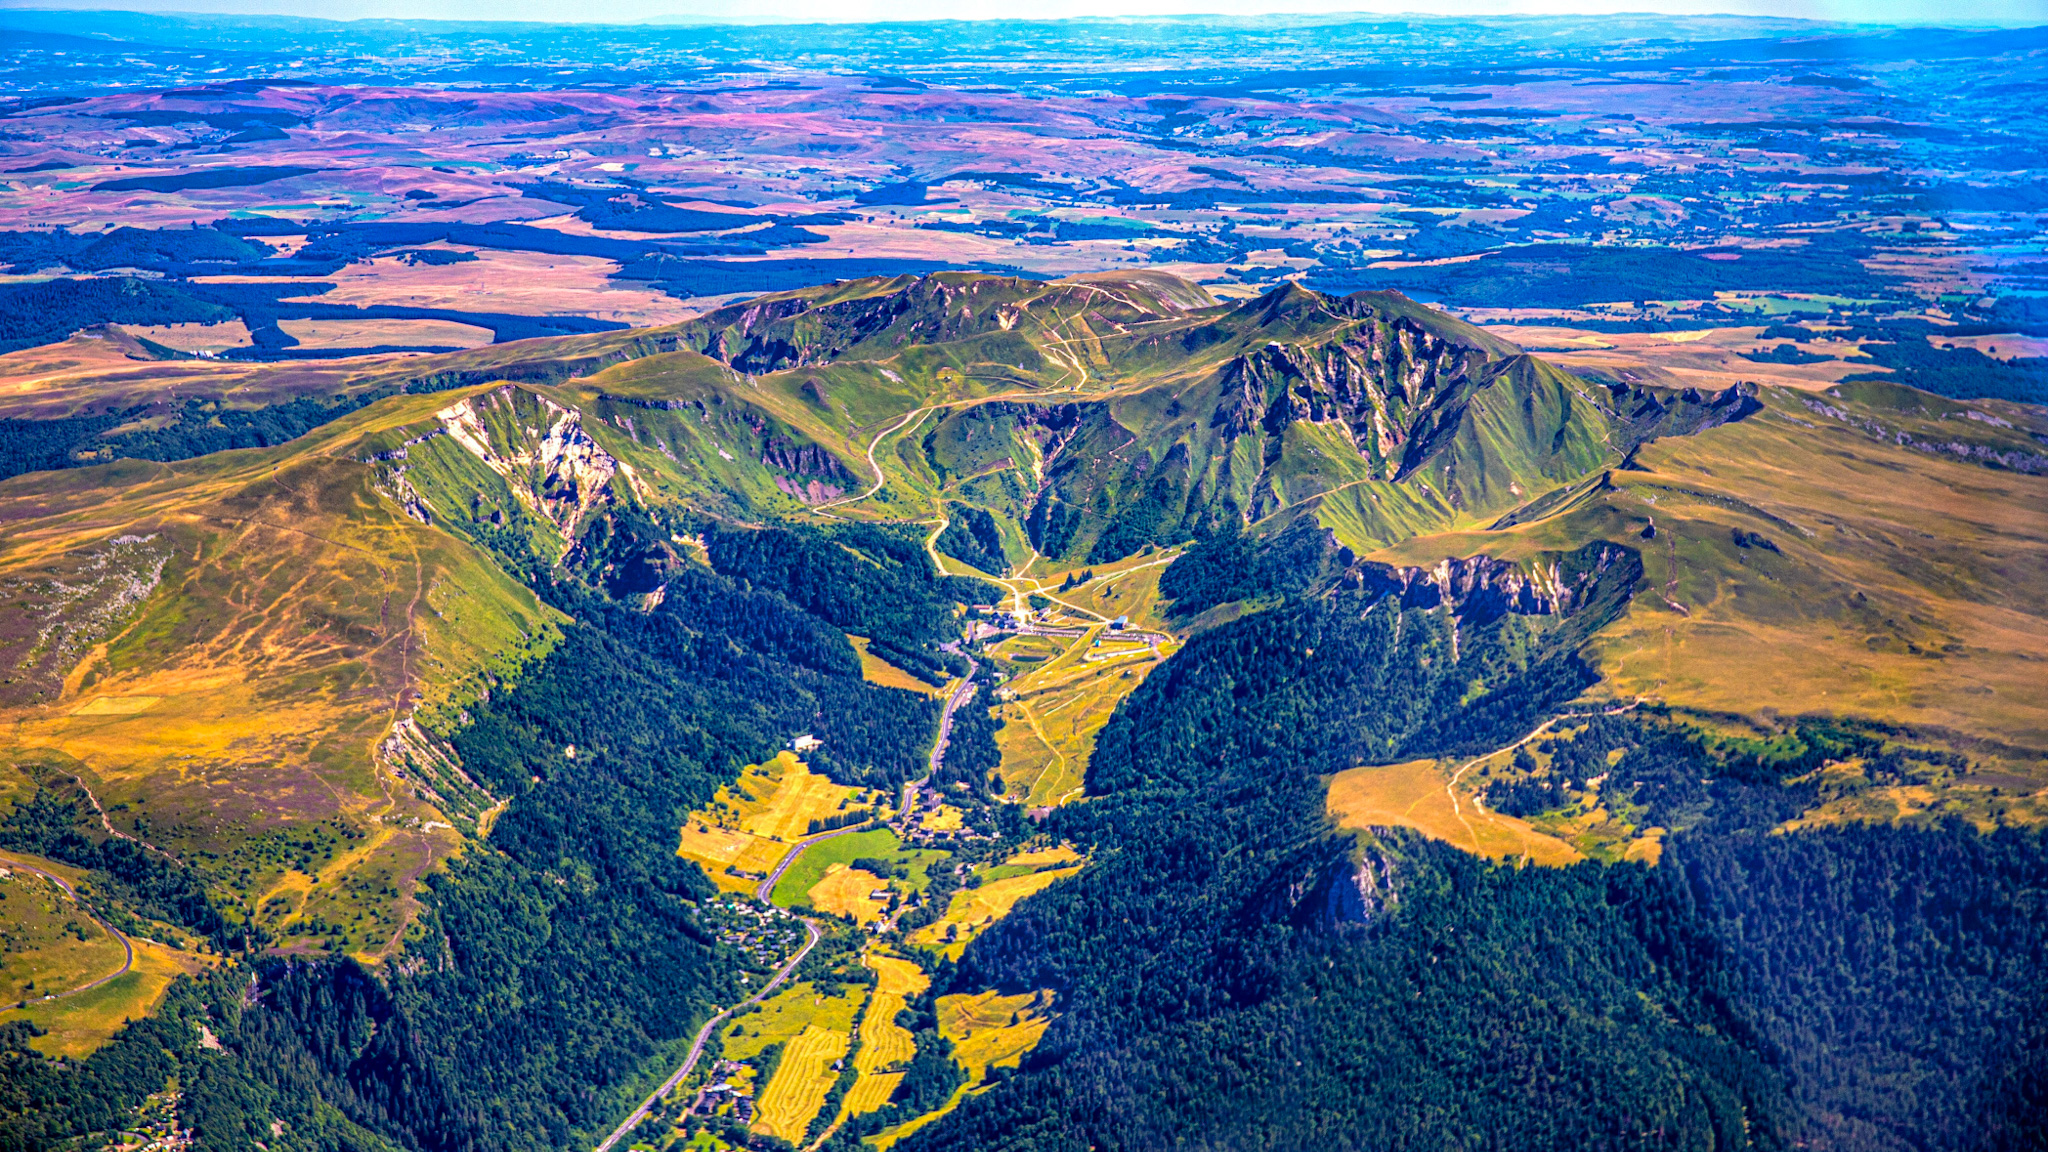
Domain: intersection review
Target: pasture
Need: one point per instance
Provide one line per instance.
(848, 891)
(1414, 795)
(51, 945)
(883, 1044)
(1056, 711)
(876, 670)
(77, 1025)
(819, 858)
(750, 824)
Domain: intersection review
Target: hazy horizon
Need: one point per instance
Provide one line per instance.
(2006, 13)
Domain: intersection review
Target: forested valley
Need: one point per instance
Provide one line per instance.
(552, 966)
(1232, 974)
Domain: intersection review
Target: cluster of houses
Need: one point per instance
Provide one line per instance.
(764, 932)
(721, 1089)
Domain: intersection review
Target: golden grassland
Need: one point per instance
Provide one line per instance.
(1904, 586)
(77, 1025)
(884, 1045)
(973, 909)
(51, 946)
(1417, 795)
(1697, 358)
(1126, 588)
(876, 670)
(1039, 857)
(988, 1030)
(785, 1107)
(518, 283)
(253, 624)
(353, 333)
(788, 1012)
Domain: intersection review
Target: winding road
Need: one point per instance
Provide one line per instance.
(765, 892)
(127, 945)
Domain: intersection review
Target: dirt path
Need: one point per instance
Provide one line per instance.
(881, 478)
(1451, 788)
(127, 945)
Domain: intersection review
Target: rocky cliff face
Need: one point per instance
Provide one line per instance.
(1359, 894)
(539, 448)
(1481, 588)
(1381, 385)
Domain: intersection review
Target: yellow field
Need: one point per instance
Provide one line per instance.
(876, 670)
(1128, 588)
(779, 799)
(882, 1043)
(989, 1030)
(974, 909)
(846, 892)
(750, 823)
(801, 1081)
(786, 1014)
(984, 1036)
(1058, 854)
(1413, 795)
(195, 337)
(372, 333)
(77, 1025)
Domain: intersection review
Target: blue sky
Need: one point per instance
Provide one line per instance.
(2007, 12)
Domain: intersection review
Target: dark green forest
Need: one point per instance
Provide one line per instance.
(1231, 974)
(196, 429)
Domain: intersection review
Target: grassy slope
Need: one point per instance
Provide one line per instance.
(252, 625)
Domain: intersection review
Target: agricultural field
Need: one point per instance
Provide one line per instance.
(75, 1026)
(750, 824)
(784, 1015)
(973, 909)
(883, 1044)
(848, 891)
(876, 670)
(785, 1107)
(991, 1030)
(988, 1030)
(826, 856)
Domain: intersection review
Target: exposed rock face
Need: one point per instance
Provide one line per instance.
(801, 459)
(1482, 588)
(555, 468)
(1381, 386)
(1359, 895)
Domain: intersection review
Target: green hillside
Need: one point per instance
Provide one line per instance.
(402, 716)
